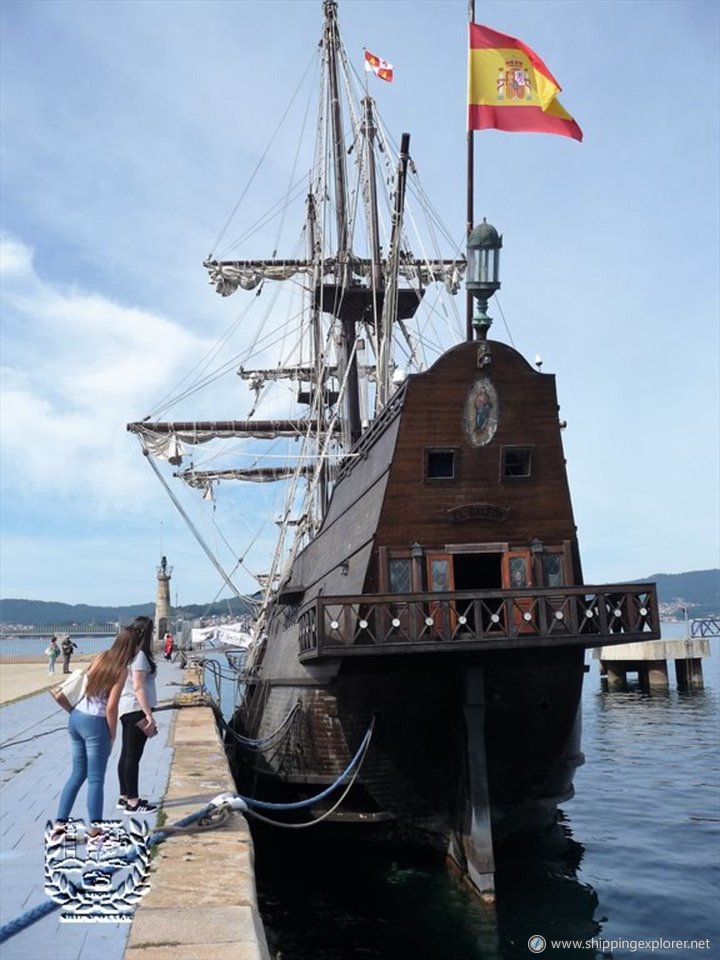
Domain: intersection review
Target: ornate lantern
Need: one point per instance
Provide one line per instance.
(483, 271)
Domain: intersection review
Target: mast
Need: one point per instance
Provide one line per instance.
(376, 278)
(317, 399)
(347, 323)
(384, 372)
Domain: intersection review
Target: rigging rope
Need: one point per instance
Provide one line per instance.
(265, 153)
(196, 533)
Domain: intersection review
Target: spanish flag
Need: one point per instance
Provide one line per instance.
(511, 89)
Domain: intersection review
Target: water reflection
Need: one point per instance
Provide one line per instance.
(342, 892)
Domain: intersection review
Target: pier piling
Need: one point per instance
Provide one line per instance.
(649, 659)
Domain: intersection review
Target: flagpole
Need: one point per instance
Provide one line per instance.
(470, 189)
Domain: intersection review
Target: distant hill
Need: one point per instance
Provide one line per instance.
(698, 590)
(44, 613)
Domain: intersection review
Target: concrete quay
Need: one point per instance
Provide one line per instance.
(202, 900)
(202, 903)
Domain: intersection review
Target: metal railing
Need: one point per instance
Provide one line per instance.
(588, 616)
(706, 627)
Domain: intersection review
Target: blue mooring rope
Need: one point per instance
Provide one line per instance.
(300, 804)
(240, 802)
(44, 909)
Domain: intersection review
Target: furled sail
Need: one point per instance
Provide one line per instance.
(200, 478)
(227, 276)
(164, 439)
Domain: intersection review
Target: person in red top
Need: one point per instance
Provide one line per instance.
(169, 645)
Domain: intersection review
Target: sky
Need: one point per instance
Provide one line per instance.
(129, 131)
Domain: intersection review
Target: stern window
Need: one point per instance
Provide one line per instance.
(552, 569)
(440, 464)
(400, 575)
(517, 462)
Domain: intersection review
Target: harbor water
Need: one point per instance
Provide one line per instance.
(19, 649)
(631, 870)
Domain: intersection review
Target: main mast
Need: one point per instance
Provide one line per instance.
(350, 301)
(348, 354)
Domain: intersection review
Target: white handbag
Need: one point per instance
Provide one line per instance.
(71, 691)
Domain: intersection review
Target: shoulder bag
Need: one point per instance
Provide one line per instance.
(71, 691)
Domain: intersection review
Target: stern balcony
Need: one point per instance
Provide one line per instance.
(470, 621)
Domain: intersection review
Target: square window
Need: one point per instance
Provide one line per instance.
(440, 464)
(517, 462)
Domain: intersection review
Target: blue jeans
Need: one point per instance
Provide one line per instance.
(90, 739)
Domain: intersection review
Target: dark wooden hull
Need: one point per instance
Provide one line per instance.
(442, 597)
(415, 768)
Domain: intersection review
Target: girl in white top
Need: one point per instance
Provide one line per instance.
(137, 700)
(92, 725)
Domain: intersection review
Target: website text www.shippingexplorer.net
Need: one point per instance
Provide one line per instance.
(538, 944)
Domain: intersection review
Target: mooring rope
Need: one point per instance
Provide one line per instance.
(266, 742)
(210, 817)
(260, 744)
(214, 815)
(323, 816)
(302, 804)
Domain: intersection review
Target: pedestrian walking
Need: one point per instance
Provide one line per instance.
(168, 646)
(92, 726)
(68, 647)
(52, 652)
(138, 724)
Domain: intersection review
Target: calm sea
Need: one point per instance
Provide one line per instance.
(19, 648)
(635, 857)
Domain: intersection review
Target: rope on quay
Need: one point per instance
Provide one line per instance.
(213, 815)
(27, 919)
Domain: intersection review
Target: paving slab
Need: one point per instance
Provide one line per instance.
(34, 765)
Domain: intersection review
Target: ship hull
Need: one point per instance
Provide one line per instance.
(415, 772)
(441, 605)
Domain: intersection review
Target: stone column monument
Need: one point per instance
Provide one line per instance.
(162, 602)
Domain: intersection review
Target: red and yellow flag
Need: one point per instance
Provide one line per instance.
(511, 89)
(381, 68)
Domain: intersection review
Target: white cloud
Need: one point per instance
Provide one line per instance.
(76, 367)
(16, 259)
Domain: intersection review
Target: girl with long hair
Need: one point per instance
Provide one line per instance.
(138, 698)
(92, 725)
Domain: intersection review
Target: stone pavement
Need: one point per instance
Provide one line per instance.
(19, 680)
(34, 765)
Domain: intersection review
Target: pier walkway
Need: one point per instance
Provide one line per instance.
(34, 765)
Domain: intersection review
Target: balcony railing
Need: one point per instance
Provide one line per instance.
(463, 620)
